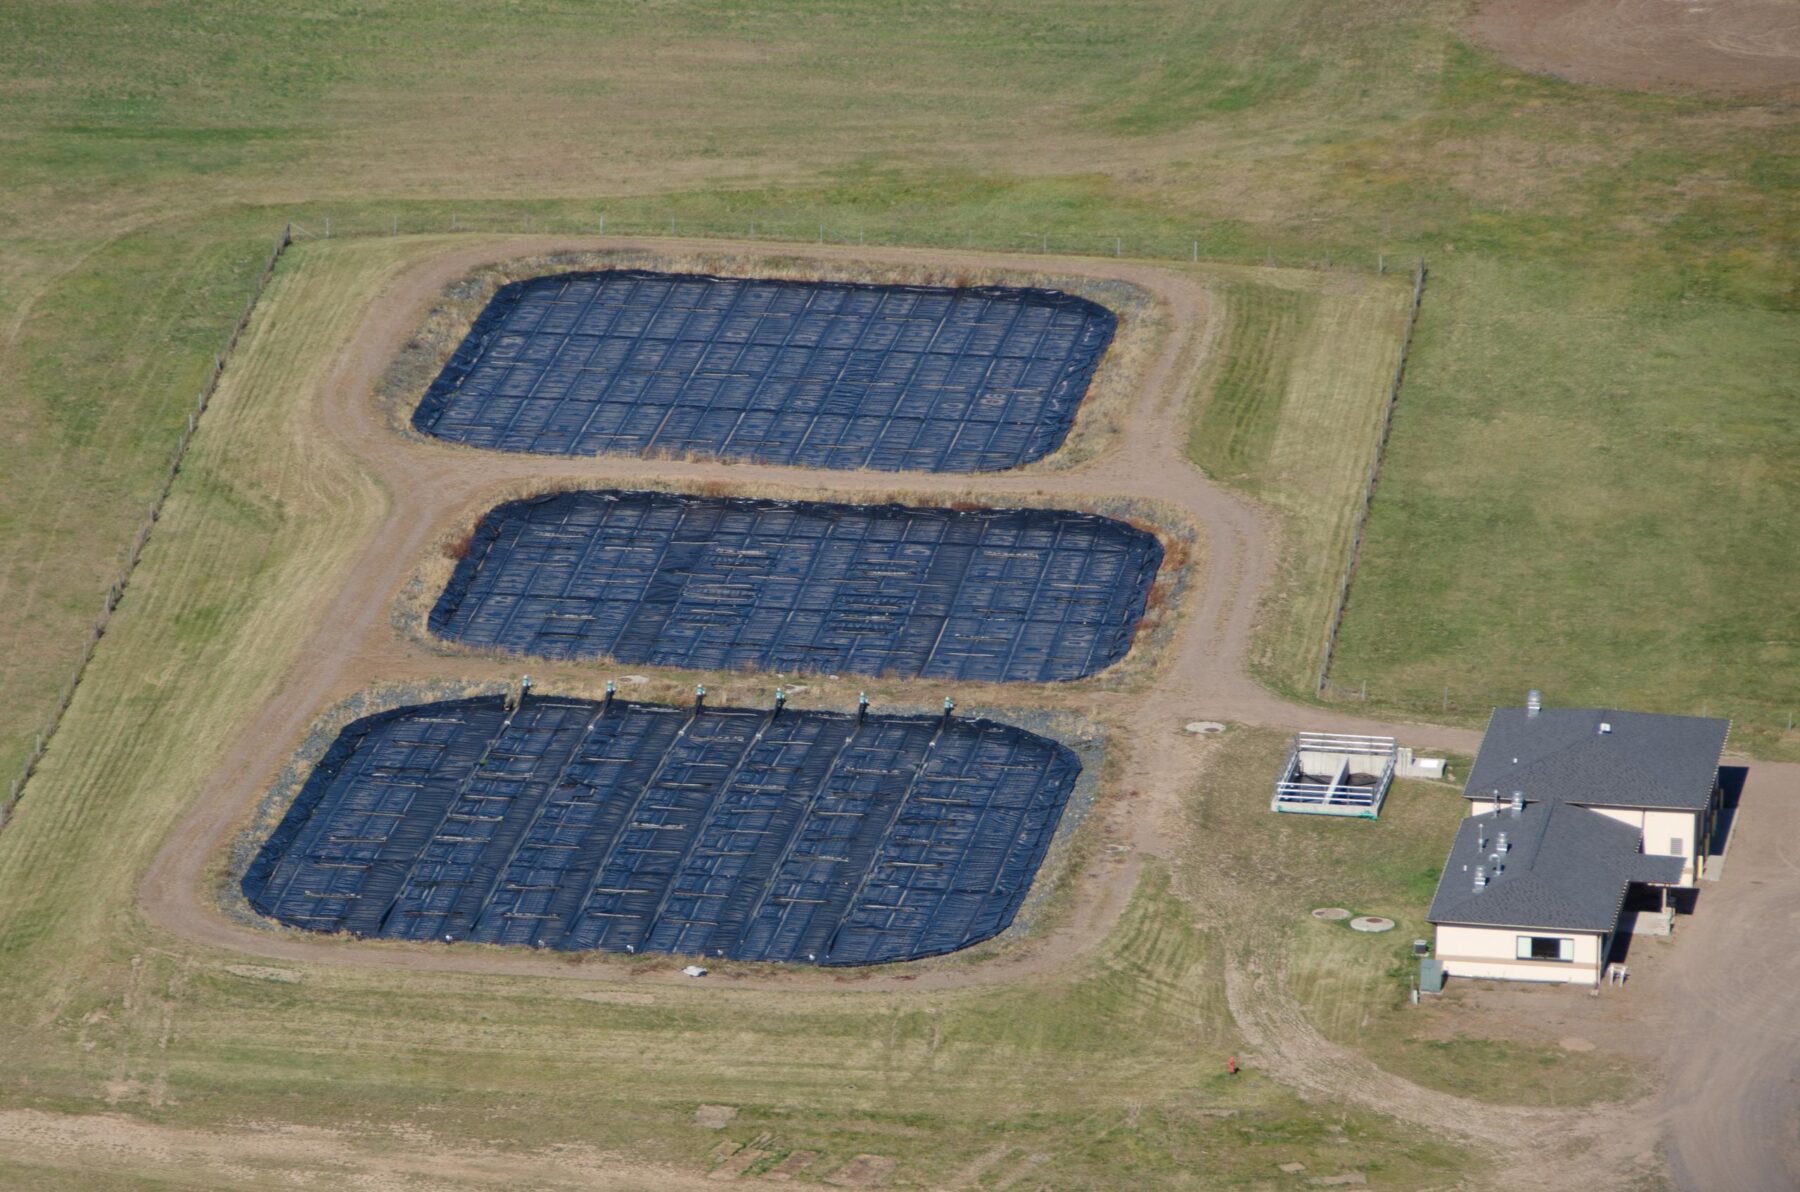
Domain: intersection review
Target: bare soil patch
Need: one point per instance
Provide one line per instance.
(1724, 47)
(864, 1171)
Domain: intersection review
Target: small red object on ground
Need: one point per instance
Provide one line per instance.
(1231, 1065)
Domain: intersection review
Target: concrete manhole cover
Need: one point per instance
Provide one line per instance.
(1371, 923)
(1331, 913)
(1203, 726)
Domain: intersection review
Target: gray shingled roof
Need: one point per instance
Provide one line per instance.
(1646, 760)
(1566, 868)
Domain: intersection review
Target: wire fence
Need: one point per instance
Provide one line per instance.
(116, 592)
(1368, 502)
(791, 229)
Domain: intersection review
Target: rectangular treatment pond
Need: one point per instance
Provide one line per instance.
(777, 835)
(993, 595)
(810, 373)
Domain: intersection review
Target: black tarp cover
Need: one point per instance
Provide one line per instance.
(991, 595)
(817, 374)
(798, 836)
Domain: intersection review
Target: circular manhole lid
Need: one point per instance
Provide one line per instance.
(1203, 726)
(1371, 923)
(1332, 913)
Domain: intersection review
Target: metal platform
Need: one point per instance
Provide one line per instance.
(1335, 774)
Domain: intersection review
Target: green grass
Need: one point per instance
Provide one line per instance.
(1624, 509)
(1587, 491)
(1601, 236)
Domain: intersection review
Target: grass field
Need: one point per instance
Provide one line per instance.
(1589, 489)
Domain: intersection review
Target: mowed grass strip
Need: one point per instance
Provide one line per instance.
(112, 357)
(254, 539)
(1289, 409)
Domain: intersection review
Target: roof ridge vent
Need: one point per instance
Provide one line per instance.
(1518, 802)
(1500, 845)
(1534, 702)
(1481, 878)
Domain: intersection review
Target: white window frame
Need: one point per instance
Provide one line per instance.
(1565, 946)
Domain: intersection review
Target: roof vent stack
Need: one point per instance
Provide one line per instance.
(1501, 846)
(1518, 802)
(1605, 727)
(1481, 838)
(1534, 702)
(1480, 878)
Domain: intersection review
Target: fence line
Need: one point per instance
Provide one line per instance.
(1188, 247)
(116, 592)
(1362, 517)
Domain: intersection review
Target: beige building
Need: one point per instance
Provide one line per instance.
(1569, 808)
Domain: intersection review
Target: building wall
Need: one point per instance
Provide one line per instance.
(1492, 953)
(1663, 831)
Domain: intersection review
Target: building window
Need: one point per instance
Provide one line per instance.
(1546, 947)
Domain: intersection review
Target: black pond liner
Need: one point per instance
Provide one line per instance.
(817, 374)
(795, 836)
(658, 579)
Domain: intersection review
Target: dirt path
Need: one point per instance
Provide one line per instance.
(1726, 47)
(1202, 675)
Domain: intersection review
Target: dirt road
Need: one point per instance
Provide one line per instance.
(1201, 675)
